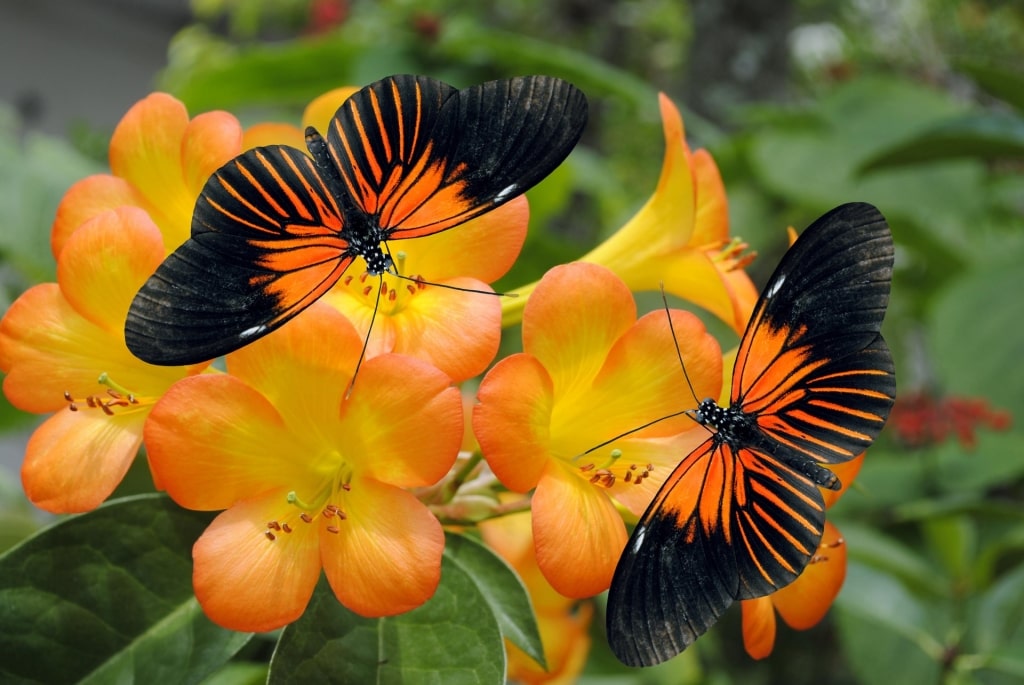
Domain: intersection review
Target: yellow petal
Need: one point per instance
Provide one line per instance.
(244, 580)
(322, 109)
(385, 558)
(273, 134)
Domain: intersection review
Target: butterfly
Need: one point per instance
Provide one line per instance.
(274, 228)
(742, 515)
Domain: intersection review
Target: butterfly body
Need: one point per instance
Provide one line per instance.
(743, 514)
(275, 228)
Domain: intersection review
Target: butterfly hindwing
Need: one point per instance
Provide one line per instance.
(266, 241)
(727, 524)
(812, 366)
(422, 157)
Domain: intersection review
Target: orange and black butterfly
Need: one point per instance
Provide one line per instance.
(274, 228)
(742, 515)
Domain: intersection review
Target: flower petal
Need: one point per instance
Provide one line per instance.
(805, 601)
(270, 133)
(386, 557)
(578, 532)
(106, 261)
(484, 248)
(641, 381)
(846, 471)
(74, 460)
(210, 140)
(758, 627)
(247, 582)
(658, 457)
(235, 441)
(322, 109)
(512, 420)
(403, 423)
(573, 318)
(86, 199)
(304, 378)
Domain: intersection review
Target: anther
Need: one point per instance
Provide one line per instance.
(588, 467)
(366, 290)
(270, 536)
(628, 477)
(274, 525)
(286, 528)
(332, 529)
(603, 478)
(306, 518)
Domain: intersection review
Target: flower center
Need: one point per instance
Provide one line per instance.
(613, 469)
(395, 293)
(325, 506)
(116, 400)
(732, 256)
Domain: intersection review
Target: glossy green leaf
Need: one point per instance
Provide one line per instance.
(989, 136)
(453, 638)
(503, 591)
(107, 597)
(1005, 84)
(994, 643)
(954, 541)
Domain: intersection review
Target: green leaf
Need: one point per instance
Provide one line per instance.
(996, 622)
(989, 136)
(954, 539)
(107, 597)
(1003, 83)
(887, 632)
(900, 563)
(503, 591)
(453, 638)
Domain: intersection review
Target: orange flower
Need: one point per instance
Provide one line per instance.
(62, 347)
(160, 161)
(591, 371)
(563, 623)
(679, 238)
(805, 601)
(309, 478)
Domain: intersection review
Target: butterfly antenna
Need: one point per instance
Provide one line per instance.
(366, 340)
(396, 272)
(634, 430)
(675, 341)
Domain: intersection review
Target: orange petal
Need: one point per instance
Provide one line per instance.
(712, 224)
(658, 457)
(236, 442)
(573, 318)
(566, 645)
(243, 580)
(385, 558)
(403, 422)
(805, 601)
(209, 141)
(512, 420)
(484, 248)
(758, 627)
(578, 532)
(74, 460)
(106, 261)
(847, 472)
(84, 200)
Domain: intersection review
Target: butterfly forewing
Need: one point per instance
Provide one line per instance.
(812, 366)
(423, 157)
(266, 241)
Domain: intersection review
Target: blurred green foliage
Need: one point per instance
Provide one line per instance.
(917, 107)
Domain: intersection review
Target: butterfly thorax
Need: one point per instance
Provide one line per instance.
(365, 239)
(739, 430)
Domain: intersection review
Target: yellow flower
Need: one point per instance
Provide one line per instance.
(680, 237)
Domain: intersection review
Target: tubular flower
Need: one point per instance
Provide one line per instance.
(159, 161)
(62, 347)
(804, 602)
(680, 237)
(591, 372)
(310, 478)
(563, 623)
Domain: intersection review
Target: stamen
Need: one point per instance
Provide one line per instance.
(603, 478)
(306, 518)
(333, 529)
(270, 536)
(286, 528)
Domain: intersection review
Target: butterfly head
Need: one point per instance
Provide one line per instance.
(708, 413)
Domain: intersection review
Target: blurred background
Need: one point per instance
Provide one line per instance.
(913, 105)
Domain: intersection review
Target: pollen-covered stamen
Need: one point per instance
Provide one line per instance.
(603, 478)
(116, 397)
(821, 557)
(731, 255)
